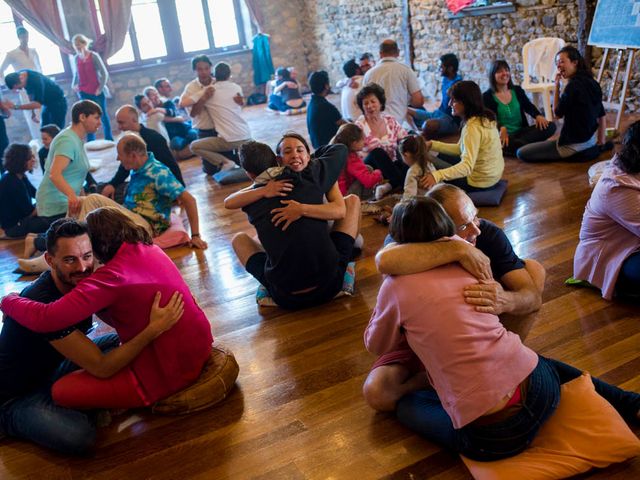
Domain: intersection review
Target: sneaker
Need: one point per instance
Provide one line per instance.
(382, 190)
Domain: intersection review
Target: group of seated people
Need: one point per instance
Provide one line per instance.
(446, 381)
(160, 112)
(491, 124)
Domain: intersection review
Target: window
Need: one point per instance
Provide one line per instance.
(175, 29)
(49, 54)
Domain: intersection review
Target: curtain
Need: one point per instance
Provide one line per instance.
(116, 15)
(44, 16)
(255, 10)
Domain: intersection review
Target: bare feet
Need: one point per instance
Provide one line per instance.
(33, 265)
(29, 245)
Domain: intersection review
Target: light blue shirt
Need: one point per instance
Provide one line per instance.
(49, 200)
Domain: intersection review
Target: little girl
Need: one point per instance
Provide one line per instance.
(356, 178)
(415, 154)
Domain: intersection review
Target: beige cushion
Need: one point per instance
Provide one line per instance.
(96, 145)
(215, 382)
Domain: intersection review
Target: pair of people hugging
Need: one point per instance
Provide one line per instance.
(297, 257)
(447, 365)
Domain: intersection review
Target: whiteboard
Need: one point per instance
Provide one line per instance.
(616, 24)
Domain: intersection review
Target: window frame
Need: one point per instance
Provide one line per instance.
(173, 38)
(67, 73)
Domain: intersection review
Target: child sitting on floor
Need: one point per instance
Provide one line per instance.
(356, 177)
(415, 154)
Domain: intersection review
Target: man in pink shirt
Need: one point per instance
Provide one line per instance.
(508, 286)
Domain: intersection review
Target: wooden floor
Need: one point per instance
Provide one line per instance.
(297, 411)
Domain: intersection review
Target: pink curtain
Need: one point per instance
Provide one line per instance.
(255, 10)
(116, 15)
(44, 16)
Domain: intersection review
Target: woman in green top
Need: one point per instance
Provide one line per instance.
(509, 102)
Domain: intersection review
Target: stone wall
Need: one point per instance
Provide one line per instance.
(345, 28)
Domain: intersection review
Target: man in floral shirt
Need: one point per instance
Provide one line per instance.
(153, 188)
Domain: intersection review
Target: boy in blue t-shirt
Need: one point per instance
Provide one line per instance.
(441, 122)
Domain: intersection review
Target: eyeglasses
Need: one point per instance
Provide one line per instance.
(464, 226)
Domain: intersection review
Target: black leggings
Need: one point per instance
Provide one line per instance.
(527, 135)
(394, 171)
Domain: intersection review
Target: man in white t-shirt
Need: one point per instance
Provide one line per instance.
(350, 88)
(24, 58)
(225, 109)
(400, 83)
(195, 95)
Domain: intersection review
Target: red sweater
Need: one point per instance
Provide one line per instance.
(357, 170)
(125, 288)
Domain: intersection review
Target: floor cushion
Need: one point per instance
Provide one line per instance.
(584, 432)
(215, 382)
(596, 170)
(96, 145)
(235, 175)
(348, 288)
(175, 235)
(489, 198)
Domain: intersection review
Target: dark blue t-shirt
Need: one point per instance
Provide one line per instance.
(447, 83)
(27, 359)
(322, 118)
(493, 242)
(42, 89)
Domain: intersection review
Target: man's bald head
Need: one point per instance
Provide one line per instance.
(460, 208)
(132, 151)
(127, 118)
(389, 48)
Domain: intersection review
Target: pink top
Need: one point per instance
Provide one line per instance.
(87, 76)
(389, 143)
(357, 170)
(610, 230)
(471, 359)
(125, 287)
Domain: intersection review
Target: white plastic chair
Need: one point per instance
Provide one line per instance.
(538, 58)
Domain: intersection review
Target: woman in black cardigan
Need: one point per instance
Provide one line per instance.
(510, 103)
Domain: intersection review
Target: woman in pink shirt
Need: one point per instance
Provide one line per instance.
(382, 133)
(123, 291)
(608, 255)
(90, 80)
(490, 394)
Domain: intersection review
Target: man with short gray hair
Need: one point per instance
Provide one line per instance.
(400, 83)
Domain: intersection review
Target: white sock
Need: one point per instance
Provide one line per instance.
(359, 242)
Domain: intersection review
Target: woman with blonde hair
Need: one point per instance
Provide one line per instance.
(90, 80)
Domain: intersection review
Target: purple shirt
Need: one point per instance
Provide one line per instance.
(610, 230)
(472, 361)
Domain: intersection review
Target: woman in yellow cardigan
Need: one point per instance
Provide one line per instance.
(481, 162)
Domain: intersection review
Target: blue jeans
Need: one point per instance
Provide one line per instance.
(36, 418)
(55, 113)
(106, 124)
(422, 412)
(447, 125)
(628, 283)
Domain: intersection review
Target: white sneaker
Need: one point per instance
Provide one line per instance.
(382, 190)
